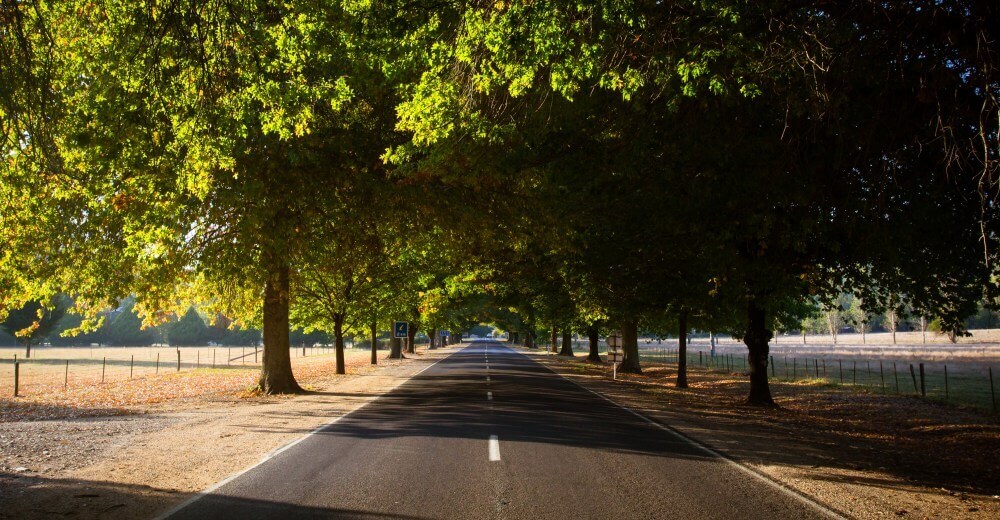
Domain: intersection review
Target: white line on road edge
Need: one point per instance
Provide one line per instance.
(494, 448)
(198, 496)
(745, 469)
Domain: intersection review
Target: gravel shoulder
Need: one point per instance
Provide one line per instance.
(140, 464)
(861, 454)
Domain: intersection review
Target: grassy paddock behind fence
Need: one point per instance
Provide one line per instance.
(964, 380)
(55, 368)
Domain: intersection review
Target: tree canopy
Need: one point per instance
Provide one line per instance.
(592, 166)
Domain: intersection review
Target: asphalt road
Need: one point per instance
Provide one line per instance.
(489, 433)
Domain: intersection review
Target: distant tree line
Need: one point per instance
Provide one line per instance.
(122, 326)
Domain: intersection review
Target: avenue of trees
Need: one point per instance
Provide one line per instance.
(550, 167)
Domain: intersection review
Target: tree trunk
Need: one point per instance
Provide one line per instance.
(276, 370)
(338, 338)
(411, 335)
(431, 334)
(682, 349)
(756, 339)
(630, 348)
(567, 343)
(374, 332)
(396, 348)
(27, 348)
(554, 340)
(594, 338)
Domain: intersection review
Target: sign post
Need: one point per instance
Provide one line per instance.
(614, 341)
(400, 329)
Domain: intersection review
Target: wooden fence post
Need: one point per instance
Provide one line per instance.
(131, 366)
(66, 377)
(17, 376)
(104, 366)
(913, 375)
(923, 389)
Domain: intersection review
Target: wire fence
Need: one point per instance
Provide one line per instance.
(962, 383)
(52, 368)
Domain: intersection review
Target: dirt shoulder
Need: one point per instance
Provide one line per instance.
(141, 461)
(864, 455)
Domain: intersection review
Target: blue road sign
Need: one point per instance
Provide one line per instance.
(400, 329)
(445, 334)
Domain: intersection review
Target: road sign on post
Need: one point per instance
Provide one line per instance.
(400, 329)
(614, 356)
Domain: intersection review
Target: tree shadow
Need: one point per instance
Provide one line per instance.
(30, 497)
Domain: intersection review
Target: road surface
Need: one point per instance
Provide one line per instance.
(489, 433)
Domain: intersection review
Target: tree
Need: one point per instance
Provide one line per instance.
(189, 330)
(35, 321)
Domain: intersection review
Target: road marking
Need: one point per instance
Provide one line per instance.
(494, 448)
(804, 499)
(211, 489)
(487, 379)
(489, 396)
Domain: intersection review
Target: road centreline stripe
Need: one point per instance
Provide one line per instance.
(494, 448)
(489, 396)
(214, 487)
(791, 493)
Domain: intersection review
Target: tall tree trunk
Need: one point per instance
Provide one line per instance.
(682, 349)
(27, 348)
(594, 338)
(276, 371)
(756, 339)
(338, 338)
(554, 340)
(567, 343)
(396, 348)
(411, 335)
(374, 333)
(431, 334)
(630, 348)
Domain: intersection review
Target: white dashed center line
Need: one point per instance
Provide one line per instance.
(494, 448)
(489, 396)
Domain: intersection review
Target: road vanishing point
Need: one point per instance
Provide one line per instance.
(487, 433)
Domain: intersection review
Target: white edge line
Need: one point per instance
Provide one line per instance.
(743, 468)
(209, 490)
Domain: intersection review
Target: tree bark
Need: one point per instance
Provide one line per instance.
(27, 349)
(567, 343)
(432, 334)
(554, 340)
(411, 334)
(756, 339)
(396, 348)
(630, 348)
(374, 333)
(682, 349)
(338, 337)
(594, 338)
(276, 370)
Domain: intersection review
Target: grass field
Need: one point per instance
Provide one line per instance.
(53, 369)
(958, 374)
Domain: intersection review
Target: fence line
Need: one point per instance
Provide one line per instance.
(21, 376)
(970, 385)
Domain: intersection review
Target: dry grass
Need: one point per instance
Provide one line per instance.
(86, 396)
